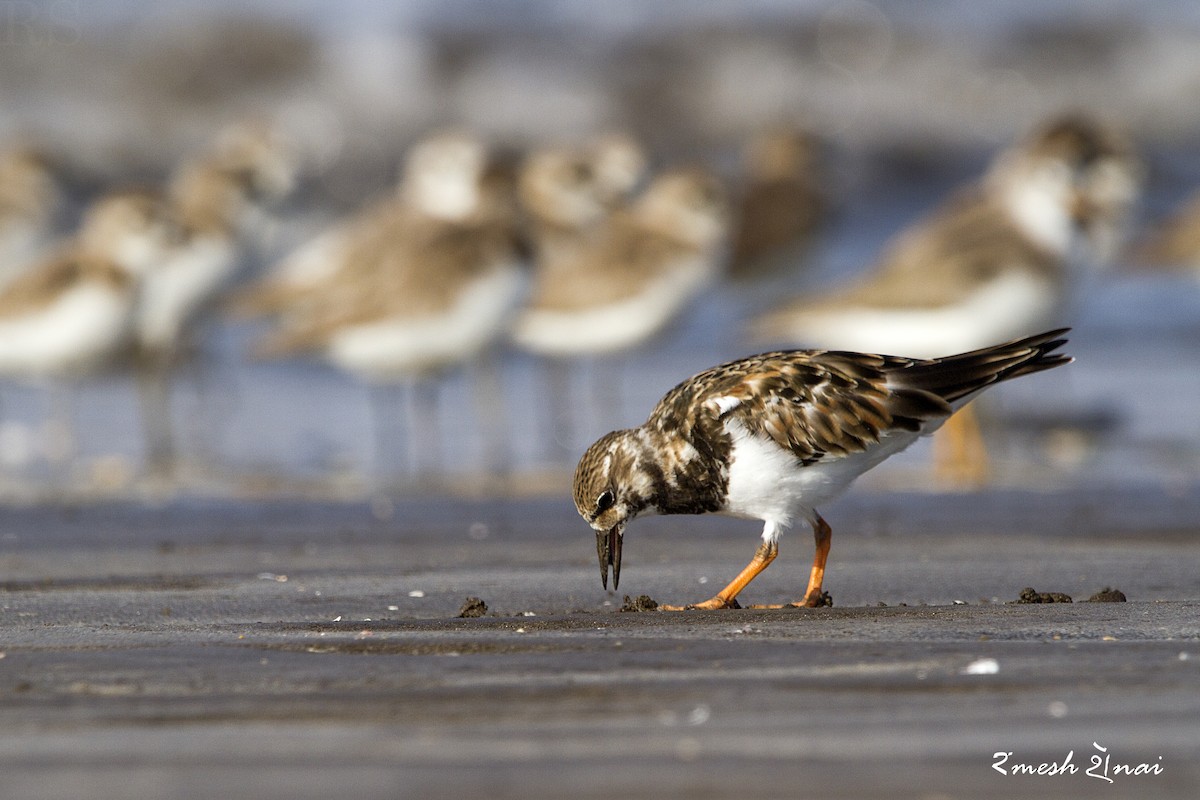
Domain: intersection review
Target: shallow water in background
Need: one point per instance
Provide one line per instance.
(1126, 410)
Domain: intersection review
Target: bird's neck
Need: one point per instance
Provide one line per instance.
(673, 477)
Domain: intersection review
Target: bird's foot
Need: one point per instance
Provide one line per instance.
(814, 600)
(711, 604)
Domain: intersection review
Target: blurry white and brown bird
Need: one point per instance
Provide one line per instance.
(634, 274)
(222, 198)
(567, 192)
(995, 261)
(428, 283)
(425, 282)
(74, 312)
(442, 182)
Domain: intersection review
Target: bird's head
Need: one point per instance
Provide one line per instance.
(613, 484)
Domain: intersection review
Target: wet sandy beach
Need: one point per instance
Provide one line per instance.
(274, 650)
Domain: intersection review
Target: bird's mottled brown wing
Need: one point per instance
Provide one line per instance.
(820, 403)
(814, 403)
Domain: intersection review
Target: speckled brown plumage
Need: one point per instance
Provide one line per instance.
(809, 407)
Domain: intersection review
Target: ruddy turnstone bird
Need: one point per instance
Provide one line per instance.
(772, 437)
(779, 204)
(635, 276)
(995, 262)
(30, 202)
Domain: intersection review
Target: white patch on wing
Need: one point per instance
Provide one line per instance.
(724, 404)
(317, 260)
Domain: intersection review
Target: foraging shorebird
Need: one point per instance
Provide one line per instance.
(779, 205)
(995, 262)
(30, 202)
(774, 436)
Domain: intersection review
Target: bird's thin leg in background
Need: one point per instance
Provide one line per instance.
(562, 419)
(727, 597)
(425, 431)
(490, 408)
(959, 451)
(154, 391)
(388, 423)
(60, 432)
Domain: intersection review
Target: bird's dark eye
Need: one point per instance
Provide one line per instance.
(604, 502)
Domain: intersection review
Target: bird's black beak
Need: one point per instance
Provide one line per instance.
(608, 550)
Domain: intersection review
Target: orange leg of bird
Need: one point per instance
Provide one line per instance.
(813, 596)
(727, 597)
(960, 454)
(823, 535)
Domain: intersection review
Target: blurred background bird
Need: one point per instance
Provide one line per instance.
(221, 199)
(74, 314)
(994, 262)
(1173, 242)
(427, 285)
(615, 285)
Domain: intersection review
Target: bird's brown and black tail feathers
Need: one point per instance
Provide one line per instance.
(955, 377)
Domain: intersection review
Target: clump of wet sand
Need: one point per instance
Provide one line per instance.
(473, 607)
(1107, 595)
(1030, 595)
(643, 602)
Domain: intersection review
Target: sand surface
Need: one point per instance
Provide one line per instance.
(214, 649)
